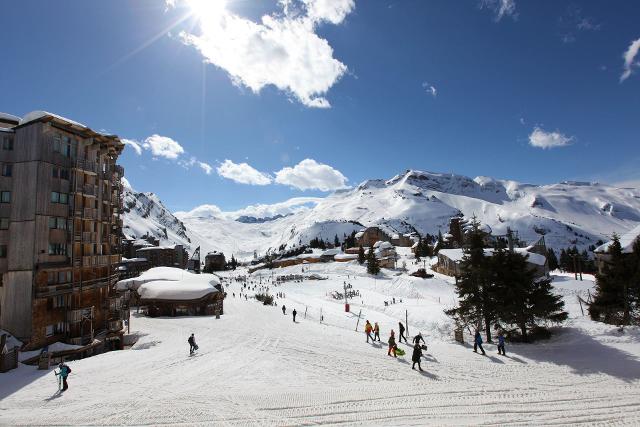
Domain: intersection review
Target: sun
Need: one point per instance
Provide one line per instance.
(204, 9)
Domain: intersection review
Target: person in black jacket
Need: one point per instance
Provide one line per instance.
(401, 329)
(418, 338)
(294, 314)
(192, 344)
(415, 358)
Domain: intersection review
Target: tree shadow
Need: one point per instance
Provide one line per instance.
(23, 375)
(584, 355)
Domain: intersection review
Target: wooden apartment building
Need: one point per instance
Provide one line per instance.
(60, 228)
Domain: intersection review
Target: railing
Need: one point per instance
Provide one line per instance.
(80, 314)
(82, 340)
(89, 237)
(90, 190)
(87, 166)
(115, 259)
(90, 213)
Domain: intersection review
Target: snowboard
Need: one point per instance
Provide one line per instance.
(400, 352)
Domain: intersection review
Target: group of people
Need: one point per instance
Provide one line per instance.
(477, 343)
(294, 313)
(418, 342)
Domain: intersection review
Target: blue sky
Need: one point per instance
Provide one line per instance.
(232, 109)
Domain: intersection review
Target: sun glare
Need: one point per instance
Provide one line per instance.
(203, 9)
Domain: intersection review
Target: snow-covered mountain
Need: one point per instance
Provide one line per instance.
(144, 214)
(566, 213)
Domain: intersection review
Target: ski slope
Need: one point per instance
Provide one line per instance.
(256, 366)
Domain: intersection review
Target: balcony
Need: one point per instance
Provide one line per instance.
(115, 325)
(95, 260)
(90, 190)
(115, 259)
(90, 213)
(89, 237)
(119, 170)
(80, 315)
(81, 340)
(87, 166)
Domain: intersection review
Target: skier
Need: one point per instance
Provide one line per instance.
(367, 330)
(376, 332)
(501, 344)
(294, 315)
(418, 338)
(477, 342)
(401, 329)
(192, 344)
(284, 309)
(64, 373)
(392, 344)
(415, 358)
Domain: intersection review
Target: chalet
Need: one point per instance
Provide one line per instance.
(401, 240)
(449, 261)
(214, 261)
(386, 254)
(627, 241)
(370, 235)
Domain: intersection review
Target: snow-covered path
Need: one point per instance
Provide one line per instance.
(255, 366)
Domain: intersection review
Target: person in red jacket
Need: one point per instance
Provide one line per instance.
(367, 330)
(392, 344)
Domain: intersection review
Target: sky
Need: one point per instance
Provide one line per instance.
(248, 102)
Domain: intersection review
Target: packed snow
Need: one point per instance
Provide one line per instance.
(256, 366)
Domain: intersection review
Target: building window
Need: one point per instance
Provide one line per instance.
(64, 174)
(64, 276)
(3, 251)
(4, 223)
(60, 328)
(49, 330)
(57, 249)
(57, 223)
(5, 196)
(59, 301)
(7, 143)
(7, 170)
(62, 198)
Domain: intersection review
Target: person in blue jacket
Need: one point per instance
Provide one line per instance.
(64, 373)
(501, 344)
(477, 342)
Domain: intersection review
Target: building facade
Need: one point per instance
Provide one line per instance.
(60, 228)
(164, 256)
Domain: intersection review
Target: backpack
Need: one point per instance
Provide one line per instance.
(68, 370)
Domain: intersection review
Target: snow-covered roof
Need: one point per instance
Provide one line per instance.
(126, 260)
(153, 274)
(626, 241)
(151, 248)
(332, 252)
(6, 130)
(51, 348)
(9, 117)
(359, 234)
(168, 283)
(39, 114)
(11, 340)
(346, 256)
(380, 244)
(456, 255)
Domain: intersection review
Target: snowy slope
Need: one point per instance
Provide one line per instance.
(144, 214)
(256, 367)
(567, 213)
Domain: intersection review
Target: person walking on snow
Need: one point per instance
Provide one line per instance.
(501, 344)
(294, 315)
(64, 373)
(392, 345)
(477, 342)
(415, 358)
(192, 344)
(418, 338)
(367, 330)
(401, 329)
(284, 309)
(376, 332)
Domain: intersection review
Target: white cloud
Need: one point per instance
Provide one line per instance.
(163, 146)
(430, 89)
(206, 167)
(542, 139)
(311, 175)
(629, 58)
(500, 8)
(282, 49)
(287, 207)
(195, 162)
(135, 145)
(242, 173)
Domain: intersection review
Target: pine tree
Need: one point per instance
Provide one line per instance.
(474, 288)
(336, 241)
(613, 301)
(373, 267)
(361, 257)
(523, 300)
(552, 260)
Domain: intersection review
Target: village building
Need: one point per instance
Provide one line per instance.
(164, 256)
(133, 267)
(386, 254)
(627, 241)
(60, 228)
(214, 261)
(402, 240)
(370, 235)
(449, 261)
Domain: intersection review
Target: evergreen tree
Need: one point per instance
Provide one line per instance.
(336, 241)
(474, 288)
(552, 260)
(373, 267)
(361, 257)
(616, 297)
(523, 300)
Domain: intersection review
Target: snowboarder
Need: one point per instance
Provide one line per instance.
(415, 358)
(477, 342)
(64, 373)
(401, 329)
(501, 344)
(192, 344)
(376, 332)
(392, 344)
(367, 330)
(294, 315)
(418, 338)
(284, 309)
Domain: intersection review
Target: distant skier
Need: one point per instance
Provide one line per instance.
(64, 373)
(376, 332)
(401, 329)
(392, 344)
(284, 309)
(477, 342)
(294, 315)
(192, 344)
(501, 344)
(367, 330)
(415, 358)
